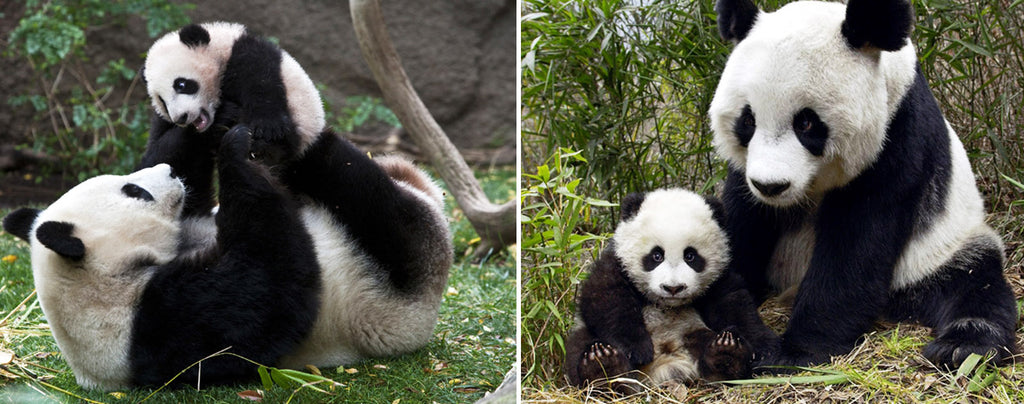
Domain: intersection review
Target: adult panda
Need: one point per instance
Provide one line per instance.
(846, 182)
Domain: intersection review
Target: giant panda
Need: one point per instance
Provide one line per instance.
(210, 76)
(335, 259)
(660, 300)
(847, 185)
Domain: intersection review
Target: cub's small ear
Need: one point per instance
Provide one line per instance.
(142, 74)
(631, 204)
(735, 18)
(194, 35)
(880, 24)
(57, 237)
(717, 209)
(19, 222)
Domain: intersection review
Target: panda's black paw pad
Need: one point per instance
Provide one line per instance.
(602, 361)
(727, 357)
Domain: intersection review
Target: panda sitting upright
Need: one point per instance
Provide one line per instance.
(661, 301)
(846, 183)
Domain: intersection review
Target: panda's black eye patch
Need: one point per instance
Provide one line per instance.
(653, 259)
(810, 131)
(185, 86)
(135, 191)
(745, 126)
(694, 259)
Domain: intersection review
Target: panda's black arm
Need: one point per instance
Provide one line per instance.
(753, 232)
(612, 309)
(392, 227)
(727, 304)
(191, 156)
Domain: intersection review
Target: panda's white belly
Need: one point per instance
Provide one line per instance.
(961, 220)
(672, 361)
(360, 317)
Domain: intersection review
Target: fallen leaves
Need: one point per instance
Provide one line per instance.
(251, 395)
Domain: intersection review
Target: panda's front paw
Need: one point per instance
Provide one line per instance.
(273, 141)
(237, 143)
(726, 357)
(602, 361)
(227, 116)
(952, 347)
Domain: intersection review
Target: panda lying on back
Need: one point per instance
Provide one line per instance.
(332, 259)
(847, 184)
(661, 301)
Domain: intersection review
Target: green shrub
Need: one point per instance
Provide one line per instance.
(93, 125)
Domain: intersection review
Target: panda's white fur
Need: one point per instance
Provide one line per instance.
(93, 300)
(789, 61)
(660, 222)
(169, 59)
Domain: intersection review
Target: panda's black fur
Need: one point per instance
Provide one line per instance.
(863, 228)
(718, 328)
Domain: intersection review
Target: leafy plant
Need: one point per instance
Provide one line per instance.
(555, 252)
(94, 125)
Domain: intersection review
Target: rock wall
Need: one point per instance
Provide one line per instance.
(459, 54)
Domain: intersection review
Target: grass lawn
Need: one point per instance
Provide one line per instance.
(473, 347)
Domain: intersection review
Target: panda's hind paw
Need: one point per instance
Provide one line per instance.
(602, 361)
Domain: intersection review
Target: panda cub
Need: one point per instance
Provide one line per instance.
(653, 294)
(848, 186)
(215, 75)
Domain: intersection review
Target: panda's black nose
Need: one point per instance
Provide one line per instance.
(673, 290)
(182, 120)
(771, 188)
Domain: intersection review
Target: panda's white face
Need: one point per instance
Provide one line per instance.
(673, 248)
(121, 220)
(799, 110)
(183, 76)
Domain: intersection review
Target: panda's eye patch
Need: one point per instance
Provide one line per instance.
(810, 131)
(135, 191)
(745, 126)
(185, 86)
(653, 258)
(694, 259)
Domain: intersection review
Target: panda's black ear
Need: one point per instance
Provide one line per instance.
(142, 74)
(717, 209)
(194, 35)
(631, 204)
(19, 222)
(735, 18)
(57, 237)
(881, 24)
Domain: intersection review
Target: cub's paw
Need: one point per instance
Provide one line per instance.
(727, 357)
(227, 115)
(602, 361)
(948, 352)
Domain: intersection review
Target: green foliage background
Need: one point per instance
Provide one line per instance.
(615, 97)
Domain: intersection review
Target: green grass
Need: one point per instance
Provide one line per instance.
(472, 349)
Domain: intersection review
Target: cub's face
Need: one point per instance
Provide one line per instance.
(799, 110)
(108, 225)
(183, 72)
(672, 248)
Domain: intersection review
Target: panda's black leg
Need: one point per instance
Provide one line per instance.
(395, 228)
(588, 360)
(969, 306)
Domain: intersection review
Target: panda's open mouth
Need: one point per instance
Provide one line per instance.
(202, 122)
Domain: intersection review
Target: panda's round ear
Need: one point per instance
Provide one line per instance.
(879, 24)
(735, 18)
(717, 209)
(631, 204)
(19, 222)
(57, 237)
(194, 35)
